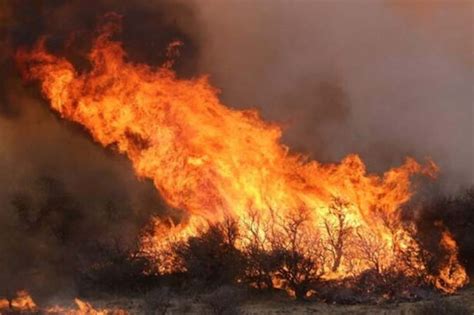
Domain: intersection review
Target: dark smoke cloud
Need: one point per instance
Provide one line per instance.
(384, 79)
(60, 193)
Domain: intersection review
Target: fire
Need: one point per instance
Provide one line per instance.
(451, 272)
(83, 308)
(216, 162)
(24, 303)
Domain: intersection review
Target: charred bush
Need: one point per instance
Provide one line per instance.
(212, 258)
(115, 270)
(298, 251)
(260, 267)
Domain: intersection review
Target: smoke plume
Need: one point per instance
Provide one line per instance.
(61, 194)
(383, 79)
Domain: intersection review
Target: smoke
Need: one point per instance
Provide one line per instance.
(382, 79)
(61, 194)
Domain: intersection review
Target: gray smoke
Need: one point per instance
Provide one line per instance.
(61, 195)
(384, 79)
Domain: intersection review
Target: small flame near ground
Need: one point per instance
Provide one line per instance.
(24, 303)
(216, 162)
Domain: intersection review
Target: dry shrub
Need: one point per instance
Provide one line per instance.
(114, 269)
(212, 258)
(298, 249)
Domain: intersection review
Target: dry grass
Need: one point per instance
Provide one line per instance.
(459, 304)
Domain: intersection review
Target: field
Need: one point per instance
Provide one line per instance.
(460, 303)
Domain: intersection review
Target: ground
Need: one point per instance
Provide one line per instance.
(463, 300)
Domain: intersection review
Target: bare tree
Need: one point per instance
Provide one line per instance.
(372, 248)
(260, 263)
(298, 248)
(338, 231)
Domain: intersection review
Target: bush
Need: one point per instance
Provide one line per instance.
(457, 214)
(212, 257)
(297, 248)
(114, 269)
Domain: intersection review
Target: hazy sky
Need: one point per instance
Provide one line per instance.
(381, 78)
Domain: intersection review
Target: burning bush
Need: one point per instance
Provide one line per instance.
(338, 230)
(288, 252)
(298, 251)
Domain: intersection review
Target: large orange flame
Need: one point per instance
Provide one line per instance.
(214, 161)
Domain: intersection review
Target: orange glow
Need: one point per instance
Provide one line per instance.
(83, 308)
(217, 162)
(451, 272)
(24, 303)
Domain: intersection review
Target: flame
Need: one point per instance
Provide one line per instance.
(83, 308)
(216, 162)
(24, 303)
(451, 272)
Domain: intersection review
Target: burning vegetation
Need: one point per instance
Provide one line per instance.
(24, 304)
(256, 213)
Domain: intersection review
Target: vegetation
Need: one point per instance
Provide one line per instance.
(229, 259)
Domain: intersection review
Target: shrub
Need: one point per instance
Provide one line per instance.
(212, 257)
(297, 248)
(114, 269)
